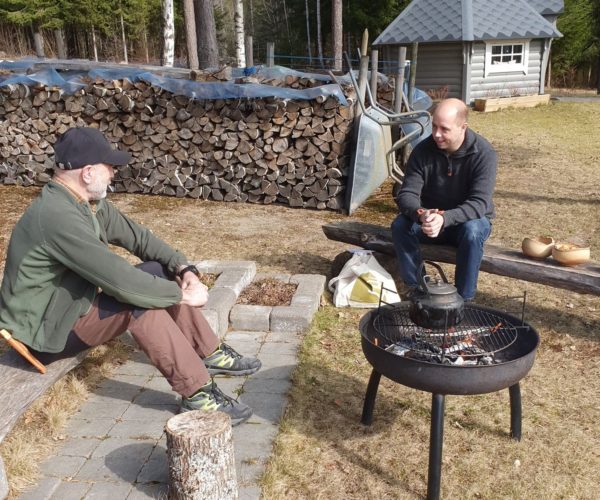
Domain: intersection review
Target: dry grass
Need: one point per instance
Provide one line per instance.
(547, 184)
(208, 279)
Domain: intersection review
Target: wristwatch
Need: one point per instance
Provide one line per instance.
(191, 268)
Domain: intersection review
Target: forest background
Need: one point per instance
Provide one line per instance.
(303, 32)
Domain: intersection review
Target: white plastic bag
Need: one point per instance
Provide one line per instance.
(361, 281)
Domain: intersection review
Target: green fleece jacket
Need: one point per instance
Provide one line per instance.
(58, 257)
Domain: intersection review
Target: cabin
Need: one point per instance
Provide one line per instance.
(476, 49)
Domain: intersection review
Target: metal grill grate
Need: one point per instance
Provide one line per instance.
(480, 333)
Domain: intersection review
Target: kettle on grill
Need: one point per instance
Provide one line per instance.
(435, 304)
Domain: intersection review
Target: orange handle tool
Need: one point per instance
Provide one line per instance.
(22, 350)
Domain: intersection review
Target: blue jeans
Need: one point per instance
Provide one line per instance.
(468, 238)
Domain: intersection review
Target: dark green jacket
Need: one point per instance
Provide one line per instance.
(58, 257)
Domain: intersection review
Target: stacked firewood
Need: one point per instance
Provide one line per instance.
(252, 150)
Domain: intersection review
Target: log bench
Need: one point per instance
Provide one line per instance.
(20, 385)
(584, 278)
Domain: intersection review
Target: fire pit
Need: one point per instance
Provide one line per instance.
(488, 351)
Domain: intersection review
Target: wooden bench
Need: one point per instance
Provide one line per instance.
(20, 385)
(584, 278)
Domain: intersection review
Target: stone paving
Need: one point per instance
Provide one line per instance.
(116, 446)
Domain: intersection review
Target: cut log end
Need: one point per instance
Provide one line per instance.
(200, 423)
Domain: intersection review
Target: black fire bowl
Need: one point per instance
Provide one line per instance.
(512, 364)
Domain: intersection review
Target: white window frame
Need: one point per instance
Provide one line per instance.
(509, 67)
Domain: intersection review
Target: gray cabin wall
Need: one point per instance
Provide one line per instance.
(505, 84)
(440, 65)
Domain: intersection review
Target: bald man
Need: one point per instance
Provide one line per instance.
(446, 198)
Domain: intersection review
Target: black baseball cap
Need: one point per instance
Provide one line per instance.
(82, 146)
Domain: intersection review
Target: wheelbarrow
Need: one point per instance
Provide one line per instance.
(374, 157)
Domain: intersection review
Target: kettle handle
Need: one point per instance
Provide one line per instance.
(422, 278)
(421, 272)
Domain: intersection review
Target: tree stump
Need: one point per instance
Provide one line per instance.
(200, 456)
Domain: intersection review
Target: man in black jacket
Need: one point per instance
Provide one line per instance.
(446, 197)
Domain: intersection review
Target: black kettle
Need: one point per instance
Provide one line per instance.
(435, 303)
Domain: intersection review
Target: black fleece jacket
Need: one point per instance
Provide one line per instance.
(461, 183)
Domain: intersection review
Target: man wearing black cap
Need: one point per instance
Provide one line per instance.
(64, 290)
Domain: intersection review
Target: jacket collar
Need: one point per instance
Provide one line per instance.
(76, 197)
(74, 194)
(468, 147)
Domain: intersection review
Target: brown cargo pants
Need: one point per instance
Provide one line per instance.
(176, 339)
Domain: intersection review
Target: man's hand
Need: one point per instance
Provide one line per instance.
(432, 222)
(195, 295)
(189, 279)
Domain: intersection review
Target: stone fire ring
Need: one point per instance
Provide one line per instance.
(221, 310)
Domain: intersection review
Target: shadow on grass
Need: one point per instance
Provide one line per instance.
(505, 151)
(530, 197)
(401, 420)
(334, 417)
(581, 326)
(297, 263)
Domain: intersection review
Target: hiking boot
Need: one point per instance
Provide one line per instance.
(225, 360)
(211, 398)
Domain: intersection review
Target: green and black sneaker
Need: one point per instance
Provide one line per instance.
(225, 360)
(211, 398)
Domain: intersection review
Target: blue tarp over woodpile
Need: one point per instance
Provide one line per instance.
(72, 81)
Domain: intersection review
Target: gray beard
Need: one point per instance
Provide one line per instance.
(97, 191)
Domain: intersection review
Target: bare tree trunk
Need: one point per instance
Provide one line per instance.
(94, 45)
(38, 42)
(251, 18)
(168, 33)
(336, 30)
(308, 40)
(238, 21)
(123, 38)
(319, 39)
(116, 47)
(348, 34)
(23, 42)
(287, 24)
(60, 43)
(190, 33)
(145, 33)
(249, 51)
(208, 52)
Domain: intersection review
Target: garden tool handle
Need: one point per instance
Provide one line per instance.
(22, 350)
